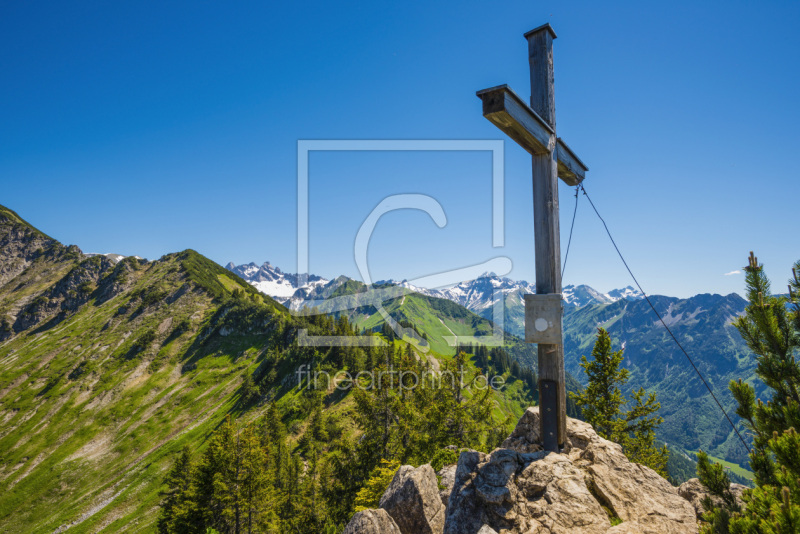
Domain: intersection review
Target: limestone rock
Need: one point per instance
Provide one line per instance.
(637, 493)
(372, 522)
(523, 493)
(525, 437)
(413, 501)
(447, 478)
(519, 489)
(694, 492)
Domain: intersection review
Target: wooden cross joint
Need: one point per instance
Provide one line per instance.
(506, 110)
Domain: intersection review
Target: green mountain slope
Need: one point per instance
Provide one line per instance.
(108, 369)
(702, 324)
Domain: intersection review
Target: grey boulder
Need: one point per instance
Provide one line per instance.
(372, 522)
(413, 501)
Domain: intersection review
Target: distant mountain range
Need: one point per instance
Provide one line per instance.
(703, 324)
(475, 295)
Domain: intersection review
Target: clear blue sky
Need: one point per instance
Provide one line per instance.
(149, 128)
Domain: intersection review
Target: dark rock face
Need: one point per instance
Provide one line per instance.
(67, 295)
(20, 246)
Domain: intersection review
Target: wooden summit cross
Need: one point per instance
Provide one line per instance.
(534, 128)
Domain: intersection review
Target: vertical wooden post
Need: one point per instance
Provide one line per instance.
(553, 405)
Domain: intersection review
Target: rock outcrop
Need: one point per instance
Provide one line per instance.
(590, 487)
(413, 501)
(694, 492)
(447, 479)
(21, 245)
(372, 522)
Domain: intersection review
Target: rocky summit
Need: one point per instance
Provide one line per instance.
(590, 487)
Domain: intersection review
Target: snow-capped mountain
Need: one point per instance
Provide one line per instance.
(582, 295)
(476, 295)
(628, 293)
(272, 281)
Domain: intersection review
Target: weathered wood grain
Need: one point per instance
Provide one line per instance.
(546, 225)
(506, 110)
(540, 58)
(570, 168)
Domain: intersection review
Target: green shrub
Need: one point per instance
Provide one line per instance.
(370, 495)
(250, 390)
(86, 287)
(444, 457)
(145, 340)
(184, 326)
(153, 296)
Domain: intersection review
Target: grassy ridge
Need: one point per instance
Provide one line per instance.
(440, 319)
(11, 217)
(92, 408)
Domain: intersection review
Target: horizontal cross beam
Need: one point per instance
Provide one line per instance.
(516, 119)
(570, 168)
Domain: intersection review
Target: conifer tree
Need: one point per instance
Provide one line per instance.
(346, 470)
(771, 329)
(376, 413)
(370, 495)
(255, 491)
(176, 504)
(225, 479)
(602, 399)
(602, 404)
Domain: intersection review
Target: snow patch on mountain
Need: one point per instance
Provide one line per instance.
(475, 295)
(271, 281)
(115, 258)
(628, 293)
(583, 295)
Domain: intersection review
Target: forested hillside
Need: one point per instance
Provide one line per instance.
(109, 369)
(703, 324)
(436, 324)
